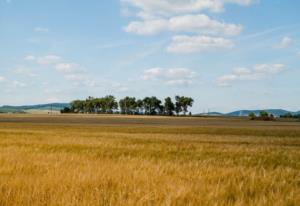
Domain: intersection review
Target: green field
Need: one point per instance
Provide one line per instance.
(120, 160)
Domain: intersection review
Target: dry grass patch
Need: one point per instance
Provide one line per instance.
(73, 164)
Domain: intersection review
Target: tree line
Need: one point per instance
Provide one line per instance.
(131, 106)
(290, 116)
(263, 115)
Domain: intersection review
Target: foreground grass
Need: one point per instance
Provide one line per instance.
(47, 164)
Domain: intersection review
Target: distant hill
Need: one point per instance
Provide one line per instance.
(210, 114)
(33, 108)
(295, 113)
(245, 113)
(56, 107)
(275, 112)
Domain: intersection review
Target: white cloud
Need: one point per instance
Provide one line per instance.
(44, 60)
(2, 79)
(180, 73)
(225, 80)
(179, 82)
(284, 43)
(49, 59)
(170, 7)
(23, 71)
(73, 73)
(117, 87)
(153, 73)
(18, 84)
(9, 85)
(171, 76)
(184, 18)
(191, 44)
(201, 24)
(76, 77)
(81, 79)
(240, 2)
(147, 27)
(29, 58)
(66, 67)
(258, 72)
(268, 69)
(41, 29)
(298, 54)
(242, 71)
(173, 73)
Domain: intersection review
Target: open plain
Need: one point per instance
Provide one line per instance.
(136, 160)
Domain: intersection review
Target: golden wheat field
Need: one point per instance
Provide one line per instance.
(113, 160)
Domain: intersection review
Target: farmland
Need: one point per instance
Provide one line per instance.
(136, 160)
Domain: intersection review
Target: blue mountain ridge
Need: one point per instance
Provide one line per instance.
(22, 109)
(244, 113)
(59, 106)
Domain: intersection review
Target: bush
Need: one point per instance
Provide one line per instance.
(66, 110)
(264, 116)
(252, 116)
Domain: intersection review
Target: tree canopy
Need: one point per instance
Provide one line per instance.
(131, 105)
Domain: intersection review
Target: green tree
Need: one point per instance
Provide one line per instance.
(98, 105)
(187, 102)
(264, 114)
(251, 116)
(66, 110)
(287, 115)
(169, 106)
(109, 104)
(139, 106)
(77, 106)
(147, 105)
(152, 105)
(178, 108)
(184, 103)
(89, 105)
(128, 105)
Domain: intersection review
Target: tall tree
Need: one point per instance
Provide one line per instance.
(77, 106)
(169, 106)
(182, 104)
(98, 105)
(139, 106)
(264, 114)
(178, 108)
(147, 105)
(110, 104)
(89, 105)
(128, 105)
(187, 102)
(152, 105)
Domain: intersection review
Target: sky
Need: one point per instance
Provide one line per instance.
(226, 54)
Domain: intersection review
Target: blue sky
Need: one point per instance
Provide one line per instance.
(226, 54)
